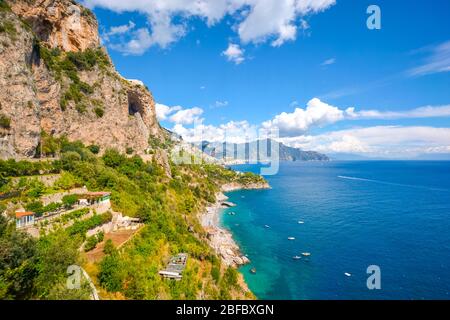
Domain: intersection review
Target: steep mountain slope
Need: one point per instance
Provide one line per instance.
(55, 77)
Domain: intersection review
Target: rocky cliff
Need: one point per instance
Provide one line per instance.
(56, 78)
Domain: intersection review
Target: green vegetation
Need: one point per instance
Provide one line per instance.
(69, 65)
(94, 149)
(82, 226)
(4, 6)
(67, 181)
(9, 28)
(91, 242)
(31, 269)
(38, 207)
(99, 112)
(74, 215)
(5, 122)
(168, 206)
(69, 201)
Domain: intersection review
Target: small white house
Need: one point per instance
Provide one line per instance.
(24, 219)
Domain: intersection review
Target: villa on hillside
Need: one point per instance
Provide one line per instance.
(175, 267)
(95, 198)
(25, 219)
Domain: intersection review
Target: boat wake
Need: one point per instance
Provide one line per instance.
(394, 184)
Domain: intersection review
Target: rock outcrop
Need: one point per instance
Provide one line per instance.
(55, 77)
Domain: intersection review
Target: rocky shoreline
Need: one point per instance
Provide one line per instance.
(221, 240)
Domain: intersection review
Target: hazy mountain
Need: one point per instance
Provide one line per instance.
(245, 151)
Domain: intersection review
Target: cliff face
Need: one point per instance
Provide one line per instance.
(55, 77)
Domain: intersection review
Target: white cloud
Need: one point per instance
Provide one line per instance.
(255, 20)
(163, 111)
(379, 141)
(141, 40)
(220, 104)
(187, 116)
(422, 112)
(121, 29)
(376, 141)
(317, 113)
(234, 53)
(328, 62)
(232, 132)
(437, 61)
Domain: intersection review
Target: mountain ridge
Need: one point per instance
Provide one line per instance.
(250, 150)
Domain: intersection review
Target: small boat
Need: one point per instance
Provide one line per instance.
(253, 270)
(296, 257)
(306, 254)
(348, 274)
(267, 226)
(232, 213)
(291, 238)
(301, 222)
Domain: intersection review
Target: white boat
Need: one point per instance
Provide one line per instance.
(296, 257)
(306, 254)
(301, 222)
(232, 213)
(348, 274)
(291, 238)
(267, 226)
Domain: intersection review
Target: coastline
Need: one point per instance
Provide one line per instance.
(220, 239)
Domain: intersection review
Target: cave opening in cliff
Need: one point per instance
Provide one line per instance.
(134, 104)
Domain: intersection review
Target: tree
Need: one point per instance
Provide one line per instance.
(69, 159)
(17, 270)
(69, 200)
(67, 181)
(3, 180)
(56, 252)
(112, 158)
(109, 248)
(36, 206)
(111, 275)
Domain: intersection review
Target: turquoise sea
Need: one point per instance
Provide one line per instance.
(393, 214)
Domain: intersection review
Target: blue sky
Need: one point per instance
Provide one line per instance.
(242, 63)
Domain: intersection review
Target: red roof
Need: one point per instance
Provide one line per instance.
(24, 214)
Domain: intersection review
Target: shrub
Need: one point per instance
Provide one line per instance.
(5, 122)
(36, 206)
(81, 227)
(129, 150)
(81, 108)
(99, 112)
(91, 242)
(111, 275)
(69, 200)
(67, 181)
(9, 28)
(95, 149)
(4, 6)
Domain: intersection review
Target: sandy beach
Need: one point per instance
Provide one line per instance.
(220, 239)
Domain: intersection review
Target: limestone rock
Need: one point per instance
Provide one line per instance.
(115, 113)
